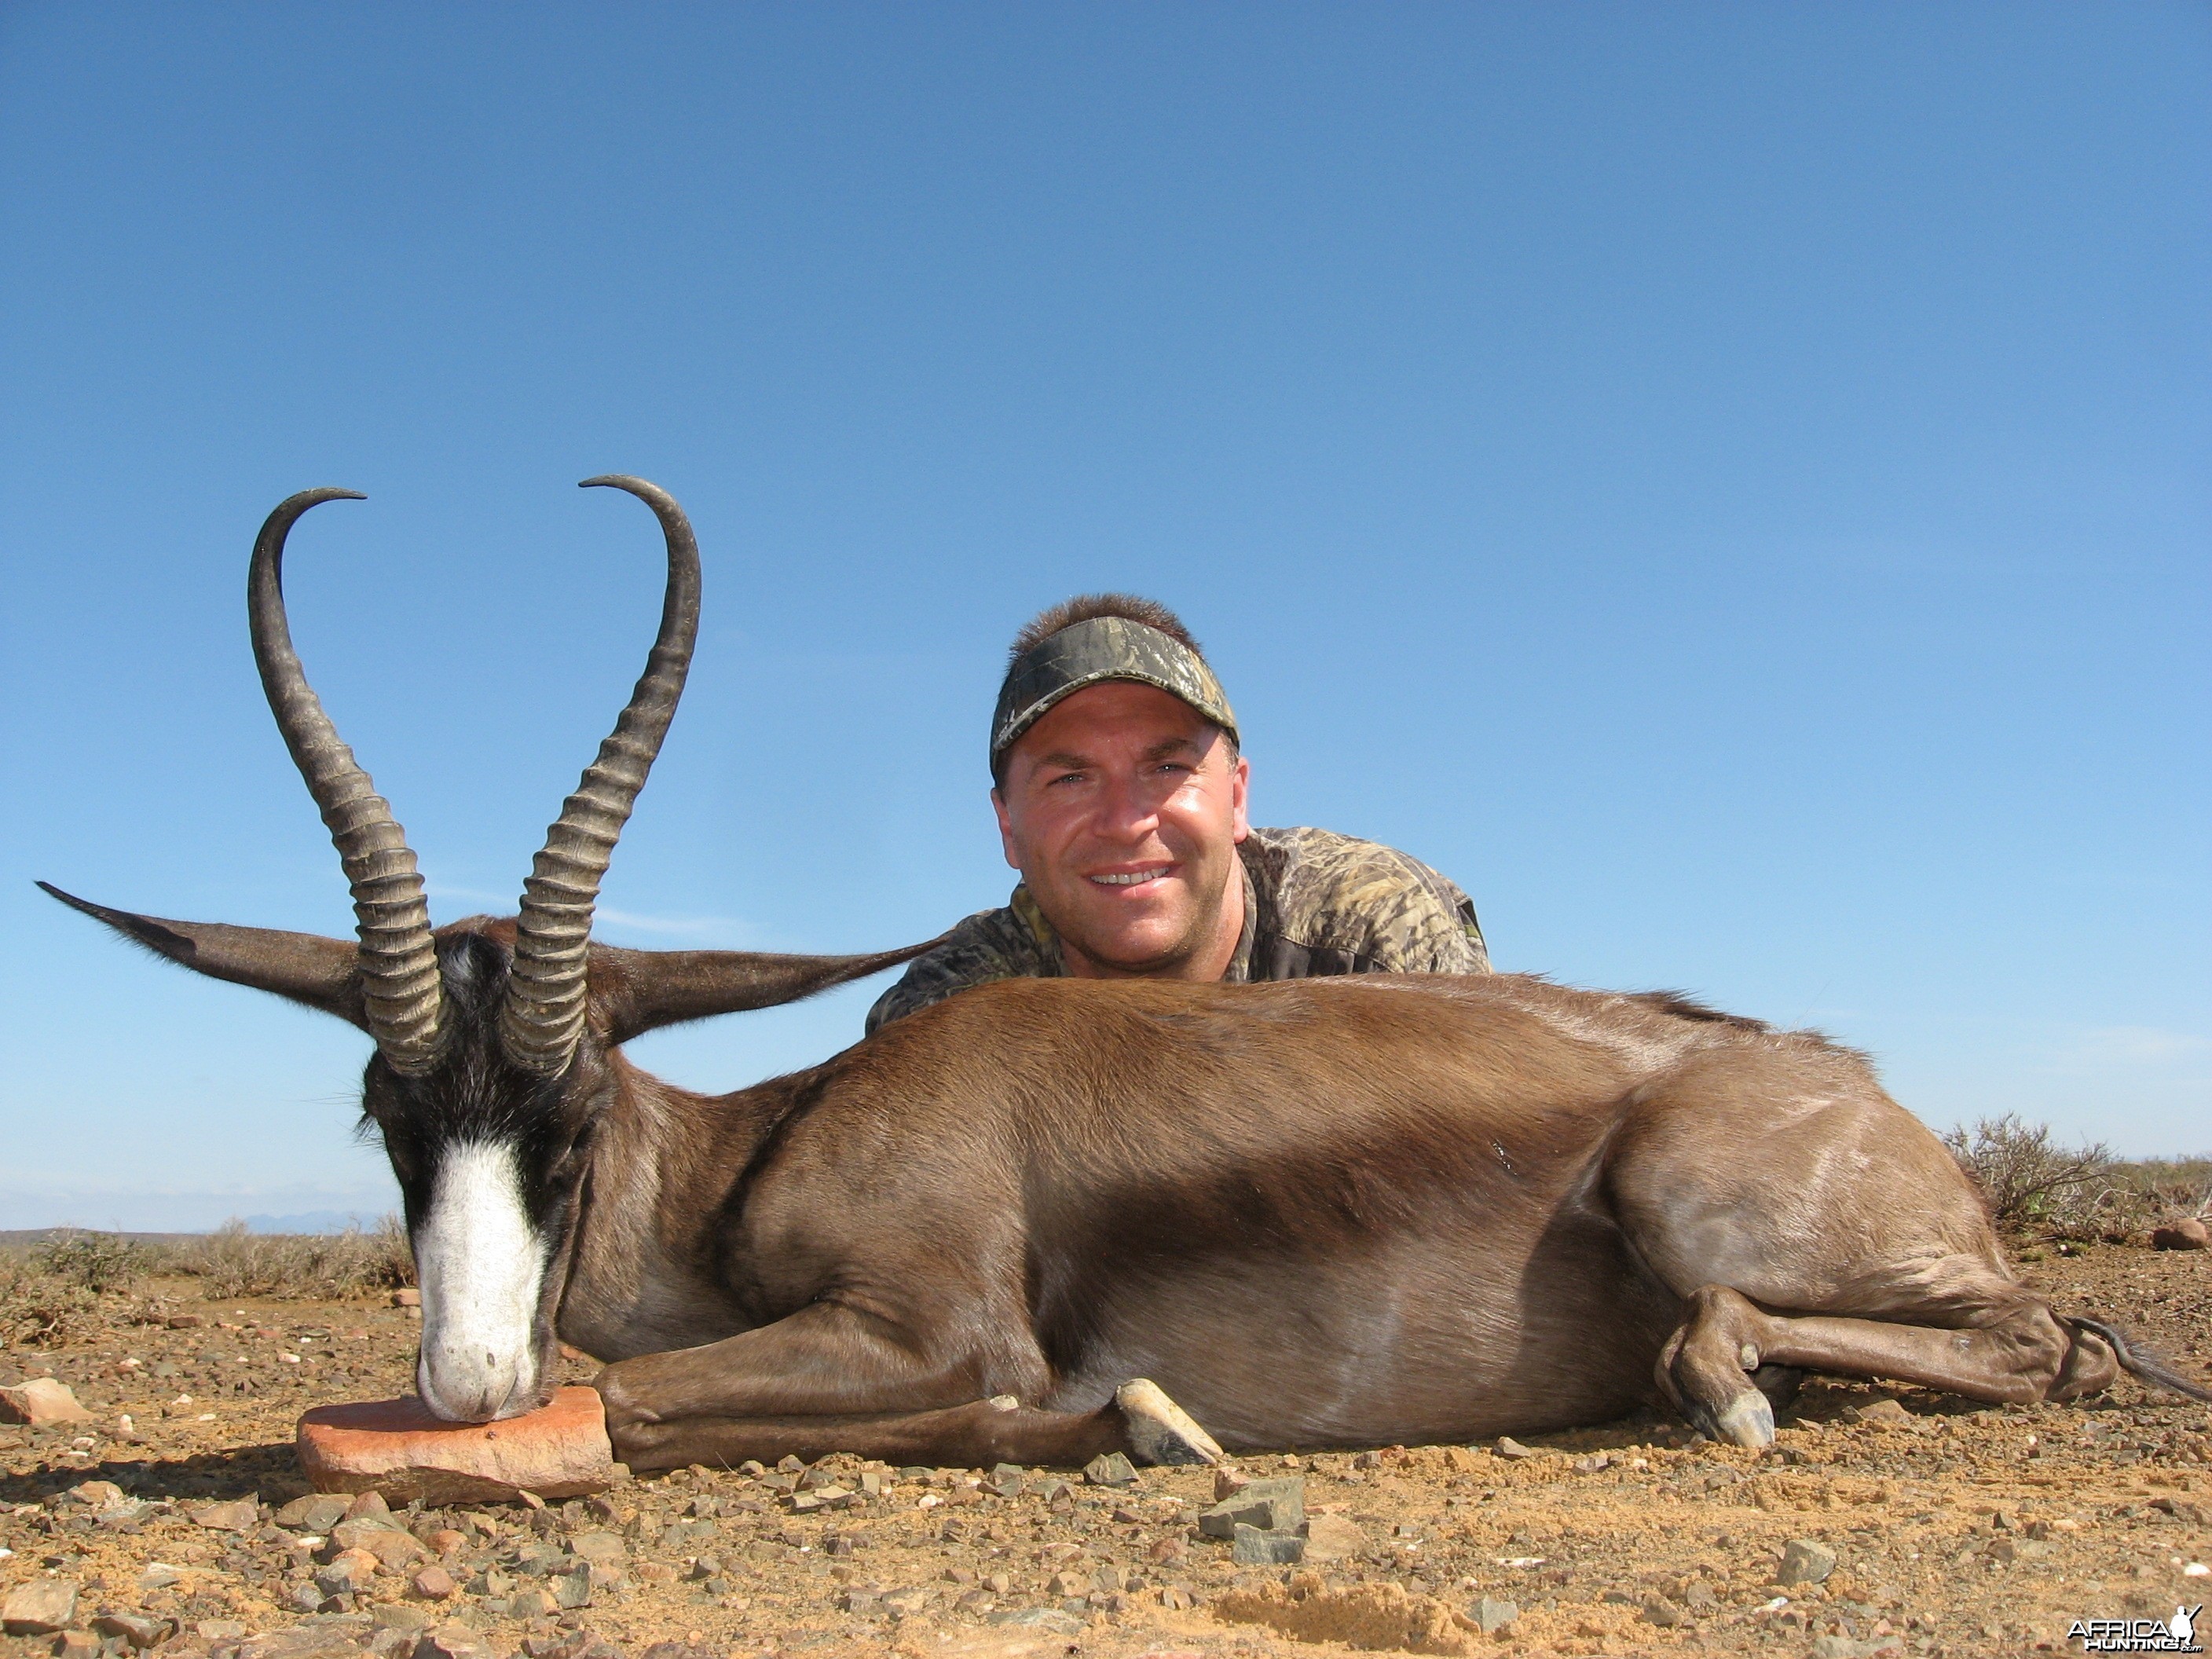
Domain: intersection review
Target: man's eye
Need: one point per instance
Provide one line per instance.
(1065, 777)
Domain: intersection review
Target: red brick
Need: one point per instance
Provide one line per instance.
(396, 1447)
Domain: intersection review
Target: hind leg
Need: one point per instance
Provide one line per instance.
(1706, 1368)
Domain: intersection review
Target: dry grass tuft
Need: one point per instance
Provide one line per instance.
(42, 1309)
(235, 1262)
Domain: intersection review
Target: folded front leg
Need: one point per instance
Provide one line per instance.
(974, 1435)
(826, 1360)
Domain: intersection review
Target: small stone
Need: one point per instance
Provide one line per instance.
(317, 1512)
(1333, 1538)
(1007, 1480)
(1264, 1505)
(905, 1603)
(1878, 1411)
(134, 1628)
(2186, 1233)
(1251, 1547)
(529, 1604)
(214, 1631)
(380, 1539)
(1228, 1481)
(42, 1402)
(1658, 1610)
(348, 1573)
(1491, 1615)
(98, 1494)
(433, 1584)
(399, 1615)
(409, 1298)
(859, 1599)
(76, 1644)
(1046, 1619)
(1509, 1447)
(186, 1322)
(398, 1448)
(39, 1607)
(572, 1589)
(368, 1505)
(237, 1514)
(602, 1548)
(302, 1597)
(1805, 1561)
(159, 1575)
(451, 1642)
(1111, 1470)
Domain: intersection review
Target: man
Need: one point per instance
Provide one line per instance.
(1119, 791)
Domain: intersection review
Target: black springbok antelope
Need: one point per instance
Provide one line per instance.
(1334, 1212)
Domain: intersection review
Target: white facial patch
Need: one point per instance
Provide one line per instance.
(482, 1265)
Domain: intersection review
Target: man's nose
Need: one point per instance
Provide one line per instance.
(1127, 809)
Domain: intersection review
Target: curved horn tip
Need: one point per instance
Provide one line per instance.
(635, 485)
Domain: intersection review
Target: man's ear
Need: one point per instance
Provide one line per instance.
(322, 973)
(1005, 829)
(633, 992)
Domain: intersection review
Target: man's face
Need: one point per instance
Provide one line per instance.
(1122, 810)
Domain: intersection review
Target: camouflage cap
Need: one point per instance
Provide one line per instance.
(1102, 648)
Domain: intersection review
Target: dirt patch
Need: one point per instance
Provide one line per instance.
(1955, 1529)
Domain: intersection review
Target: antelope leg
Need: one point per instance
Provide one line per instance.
(2024, 1356)
(827, 1359)
(974, 1435)
(840, 1379)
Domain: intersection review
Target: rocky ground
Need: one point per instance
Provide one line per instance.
(1926, 1526)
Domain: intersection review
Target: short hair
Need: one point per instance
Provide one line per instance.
(1085, 607)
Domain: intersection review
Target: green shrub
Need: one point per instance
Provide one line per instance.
(2039, 1190)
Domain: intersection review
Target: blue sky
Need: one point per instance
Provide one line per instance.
(1727, 483)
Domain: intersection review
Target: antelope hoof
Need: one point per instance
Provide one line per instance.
(1161, 1431)
(1747, 1421)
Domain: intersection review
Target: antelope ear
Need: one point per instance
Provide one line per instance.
(635, 991)
(323, 973)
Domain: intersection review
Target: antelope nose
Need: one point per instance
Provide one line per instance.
(482, 1392)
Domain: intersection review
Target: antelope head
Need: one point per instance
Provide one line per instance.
(491, 1069)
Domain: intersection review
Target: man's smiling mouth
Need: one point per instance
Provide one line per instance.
(1130, 879)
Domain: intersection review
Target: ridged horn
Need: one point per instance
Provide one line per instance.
(400, 987)
(543, 1014)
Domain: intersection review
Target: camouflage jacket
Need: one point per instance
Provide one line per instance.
(1315, 903)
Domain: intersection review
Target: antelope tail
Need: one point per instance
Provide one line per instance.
(2140, 1360)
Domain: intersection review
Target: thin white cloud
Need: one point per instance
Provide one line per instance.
(693, 926)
